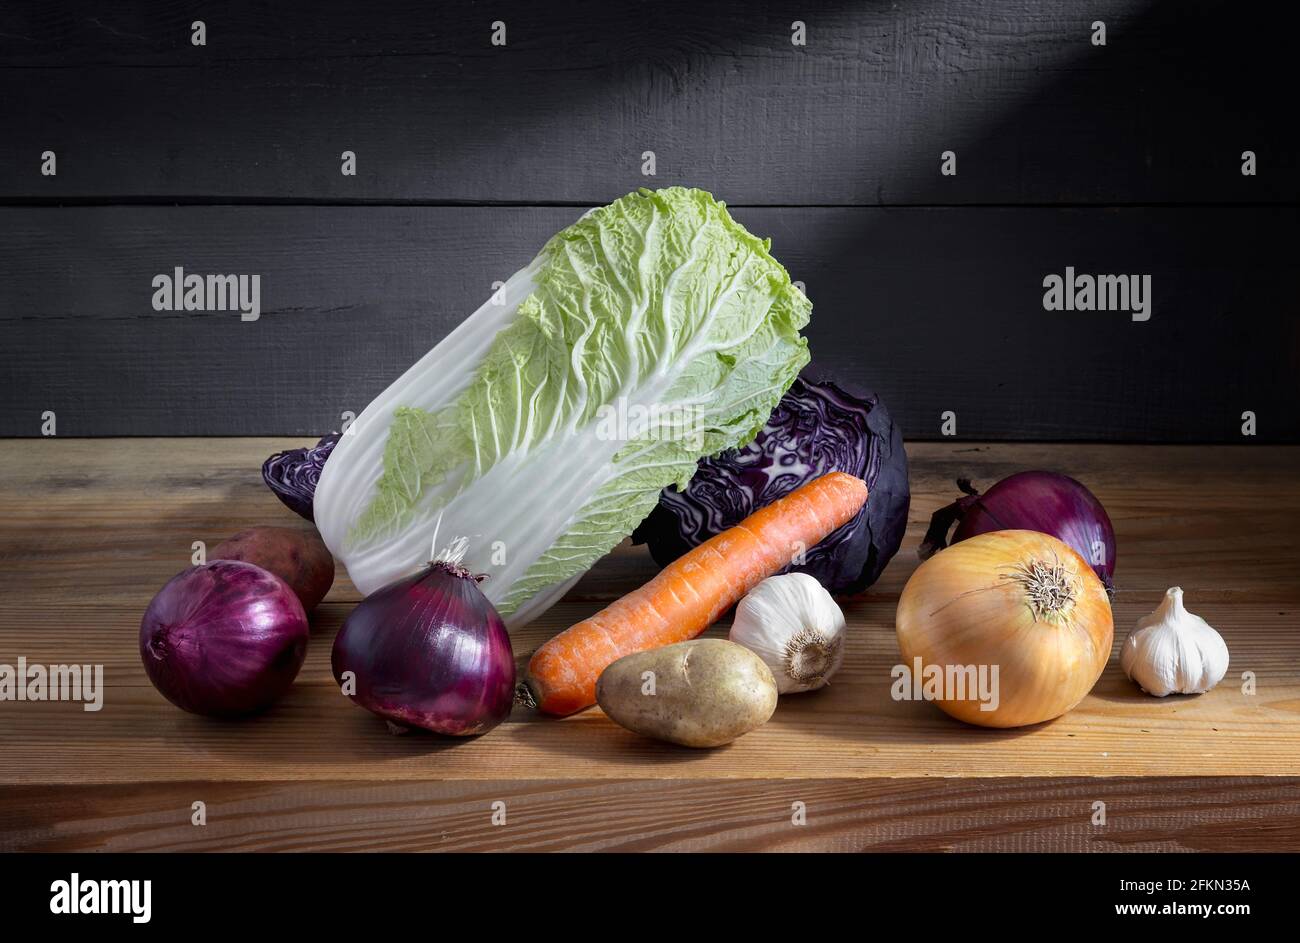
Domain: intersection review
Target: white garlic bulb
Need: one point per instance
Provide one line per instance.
(1173, 651)
(794, 625)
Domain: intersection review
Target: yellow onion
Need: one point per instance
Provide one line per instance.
(1020, 601)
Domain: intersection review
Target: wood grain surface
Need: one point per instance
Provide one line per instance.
(936, 309)
(89, 529)
(92, 528)
(1179, 814)
(564, 111)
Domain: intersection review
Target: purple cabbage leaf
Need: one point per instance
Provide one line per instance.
(818, 427)
(293, 475)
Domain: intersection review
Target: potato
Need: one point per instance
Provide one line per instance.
(705, 693)
(296, 555)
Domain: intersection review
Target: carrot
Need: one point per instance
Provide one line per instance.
(691, 593)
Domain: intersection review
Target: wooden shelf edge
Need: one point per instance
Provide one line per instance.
(917, 814)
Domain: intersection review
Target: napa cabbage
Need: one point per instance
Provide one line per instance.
(648, 334)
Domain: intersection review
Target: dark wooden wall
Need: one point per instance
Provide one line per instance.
(225, 158)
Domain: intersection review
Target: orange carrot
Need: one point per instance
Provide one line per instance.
(692, 592)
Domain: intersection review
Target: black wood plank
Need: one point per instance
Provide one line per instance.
(563, 112)
(938, 309)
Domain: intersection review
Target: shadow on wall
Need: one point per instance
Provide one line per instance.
(1037, 117)
(1163, 110)
(833, 149)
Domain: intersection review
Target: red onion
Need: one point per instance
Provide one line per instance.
(223, 639)
(429, 651)
(1031, 500)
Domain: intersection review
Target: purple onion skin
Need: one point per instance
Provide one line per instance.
(1049, 503)
(224, 639)
(818, 427)
(293, 475)
(429, 651)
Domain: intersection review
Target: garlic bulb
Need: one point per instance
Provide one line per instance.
(794, 625)
(1173, 651)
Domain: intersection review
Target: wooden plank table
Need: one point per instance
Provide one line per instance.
(89, 529)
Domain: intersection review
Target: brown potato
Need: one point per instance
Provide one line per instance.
(296, 555)
(702, 693)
